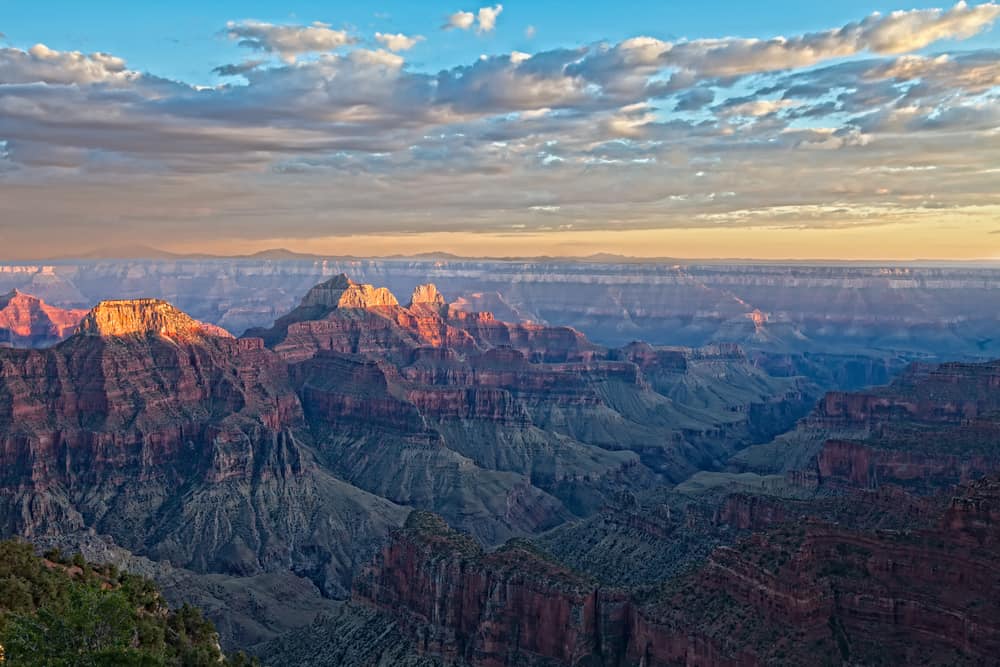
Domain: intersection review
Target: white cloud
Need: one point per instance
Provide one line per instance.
(288, 41)
(377, 57)
(398, 41)
(899, 32)
(460, 20)
(902, 31)
(488, 18)
(759, 107)
(42, 64)
(485, 20)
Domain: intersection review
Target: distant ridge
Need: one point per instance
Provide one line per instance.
(140, 252)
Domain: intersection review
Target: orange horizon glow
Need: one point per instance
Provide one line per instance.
(897, 242)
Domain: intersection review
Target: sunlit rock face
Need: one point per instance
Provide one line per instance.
(427, 295)
(342, 292)
(27, 321)
(143, 317)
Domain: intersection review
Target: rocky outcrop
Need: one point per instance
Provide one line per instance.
(342, 292)
(427, 295)
(540, 412)
(27, 321)
(144, 317)
(796, 594)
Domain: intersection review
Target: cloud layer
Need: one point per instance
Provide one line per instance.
(327, 131)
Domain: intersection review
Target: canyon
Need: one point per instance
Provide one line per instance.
(917, 310)
(361, 480)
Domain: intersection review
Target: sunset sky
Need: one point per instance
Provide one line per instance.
(772, 129)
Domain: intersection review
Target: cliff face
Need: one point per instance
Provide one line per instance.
(811, 593)
(489, 609)
(149, 427)
(932, 427)
(26, 321)
(342, 292)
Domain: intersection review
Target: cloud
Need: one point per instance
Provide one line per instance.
(287, 41)
(460, 20)
(485, 20)
(44, 65)
(377, 58)
(899, 32)
(398, 41)
(488, 18)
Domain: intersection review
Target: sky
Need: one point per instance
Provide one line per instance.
(767, 130)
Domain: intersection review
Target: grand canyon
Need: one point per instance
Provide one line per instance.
(506, 334)
(363, 482)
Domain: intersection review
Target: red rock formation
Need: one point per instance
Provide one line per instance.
(812, 593)
(949, 394)
(26, 321)
(427, 295)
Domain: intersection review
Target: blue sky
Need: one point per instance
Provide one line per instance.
(764, 129)
(184, 39)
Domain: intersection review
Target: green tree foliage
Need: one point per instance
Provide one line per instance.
(59, 613)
